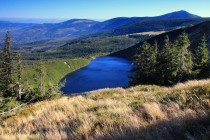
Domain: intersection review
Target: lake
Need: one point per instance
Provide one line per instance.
(102, 72)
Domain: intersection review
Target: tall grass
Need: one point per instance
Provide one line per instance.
(55, 70)
(141, 112)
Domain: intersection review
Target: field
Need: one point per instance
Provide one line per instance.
(141, 112)
(56, 69)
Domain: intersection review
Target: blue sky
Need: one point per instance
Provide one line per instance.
(98, 9)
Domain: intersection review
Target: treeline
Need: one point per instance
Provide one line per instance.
(172, 63)
(84, 48)
(11, 83)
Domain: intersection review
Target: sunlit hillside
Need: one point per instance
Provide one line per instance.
(141, 112)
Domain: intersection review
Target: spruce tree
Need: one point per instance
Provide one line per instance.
(184, 60)
(153, 62)
(2, 88)
(154, 54)
(19, 77)
(144, 64)
(202, 54)
(6, 67)
(42, 76)
(167, 64)
(201, 58)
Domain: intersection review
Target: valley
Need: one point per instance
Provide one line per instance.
(134, 77)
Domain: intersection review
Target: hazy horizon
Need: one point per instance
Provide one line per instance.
(96, 10)
(57, 20)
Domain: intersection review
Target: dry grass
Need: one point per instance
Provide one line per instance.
(141, 112)
(150, 33)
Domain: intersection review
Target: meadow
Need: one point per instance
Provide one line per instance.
(140, 112)
(55, 70)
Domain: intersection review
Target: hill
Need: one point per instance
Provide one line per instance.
(76, 28)
(4, 26)
(195, 34)
(154, 25)
(85, 48)
(121, 21)
(10, 26)
(178, 14)
(71, 28)
(141, 112)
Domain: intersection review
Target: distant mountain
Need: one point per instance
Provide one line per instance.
(178, 14)
(5, 25)
(10, 26)
(195, 34)
(117, 23)
(114, 23)
(155, 25)
(71, 29)
(75, 28)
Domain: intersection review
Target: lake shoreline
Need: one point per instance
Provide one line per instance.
(101, 72)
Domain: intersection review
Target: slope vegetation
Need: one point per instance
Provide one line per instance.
(195, 34)
(141, 112)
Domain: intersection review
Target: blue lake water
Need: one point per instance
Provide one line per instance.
(102, 72)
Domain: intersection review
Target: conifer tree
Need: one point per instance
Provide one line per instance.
(6, 67)
(19, 77)
(144, 61)
(154, 53)
(42, 76)
(153, 62)
(1, 75)
(202, 54)
(201, 60)
(167, 66)
(184, 60)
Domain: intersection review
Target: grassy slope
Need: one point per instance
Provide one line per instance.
(141, 112)
(55, 70)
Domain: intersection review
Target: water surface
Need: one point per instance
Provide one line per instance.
(102, 72)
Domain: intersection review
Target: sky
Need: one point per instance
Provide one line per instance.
(98, 9)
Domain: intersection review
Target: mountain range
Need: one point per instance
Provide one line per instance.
(195, 35)
(75, 28)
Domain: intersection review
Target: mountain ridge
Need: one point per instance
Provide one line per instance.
(76, 28)
(195, 33)
(179, 14)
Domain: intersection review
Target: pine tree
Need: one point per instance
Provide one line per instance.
(166, 64)
(42, 76)
(2, 88)
(153, 62)
(144, 64)
(184, 60)
(201, 58)
(202, 54)
(154, 54)
(6, 67)
(19, 77)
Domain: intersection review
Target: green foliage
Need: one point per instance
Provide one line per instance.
(170, 65)
(201, 59)
(167, 64)
(6, 67)
(31, 81)
(86, 48)
(8, 103)
(145, 61)
(41, 76)
(55, 71)
(184, 60)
